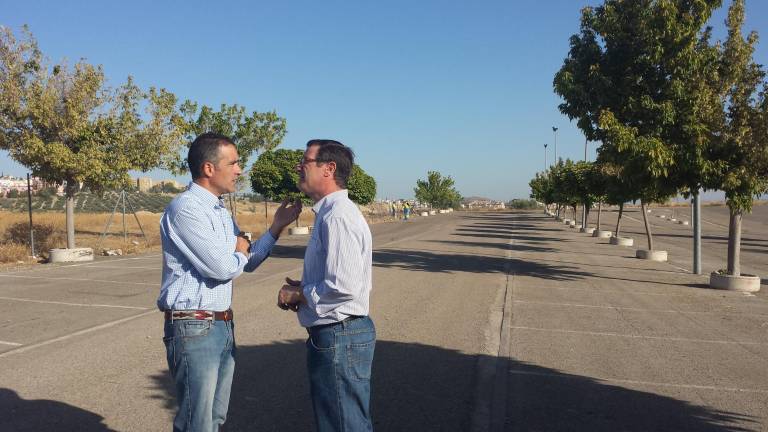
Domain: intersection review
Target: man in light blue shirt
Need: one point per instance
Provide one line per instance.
(332, 298)
(202, 252)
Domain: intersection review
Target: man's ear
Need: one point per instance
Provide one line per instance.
(207, 169)
(330, 168)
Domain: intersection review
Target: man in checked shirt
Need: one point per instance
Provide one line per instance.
(202, 252)
(332, 297)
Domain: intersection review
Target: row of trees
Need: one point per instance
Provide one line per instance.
(676, 112)
(69, 127)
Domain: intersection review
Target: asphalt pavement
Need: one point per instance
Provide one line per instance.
(485, 321)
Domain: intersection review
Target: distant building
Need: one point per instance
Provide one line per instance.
(171, 182)
(144, 184)
(483, 203)
(9, 183)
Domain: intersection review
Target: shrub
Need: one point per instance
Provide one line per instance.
(45, 236)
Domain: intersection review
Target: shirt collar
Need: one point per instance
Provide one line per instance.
(328, 200)
(205, 195)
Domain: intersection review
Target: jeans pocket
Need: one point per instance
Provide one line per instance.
(360, 358)
(195, 328)
(322, 340)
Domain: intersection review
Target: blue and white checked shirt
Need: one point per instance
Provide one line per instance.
(199, 258)
(337, 263)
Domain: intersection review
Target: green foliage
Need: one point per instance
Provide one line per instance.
(13, 193)
(361, 186)
(274, 175)
(523, 204)
(67, 125)
(742, 152)
(257, 132)
(639, 78)
(437, 191)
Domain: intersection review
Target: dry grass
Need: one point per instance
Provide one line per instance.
(89, 227)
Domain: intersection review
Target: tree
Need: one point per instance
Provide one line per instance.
(257, 132)
(639, 78)
(542, 189)
(437, 191)
(742, 150)
(274, 176)
(69, 128)
(361, 186)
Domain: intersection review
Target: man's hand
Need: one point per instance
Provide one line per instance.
(285, 214)
(290, 295)
(242, 245)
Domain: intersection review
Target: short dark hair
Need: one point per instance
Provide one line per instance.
(205, 148)
(334, 151)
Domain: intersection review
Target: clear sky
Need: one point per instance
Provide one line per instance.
(464, 88)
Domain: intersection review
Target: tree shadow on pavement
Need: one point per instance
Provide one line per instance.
(281, 251)
(502, 246)
(419, 387)
(453, 262)
(35, 415)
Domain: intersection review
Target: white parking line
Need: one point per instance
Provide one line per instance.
(667, 338)
(79, 279)
(9, 343)
(72, 304)
(124, 267)
(77, 333)
(638, 309)
(635, 382)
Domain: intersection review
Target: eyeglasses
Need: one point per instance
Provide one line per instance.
(305, 161)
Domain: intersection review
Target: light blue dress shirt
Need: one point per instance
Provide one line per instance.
(336, 280)
(199, 258)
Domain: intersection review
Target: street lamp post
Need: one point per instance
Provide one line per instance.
(554, 130)
(545, 157)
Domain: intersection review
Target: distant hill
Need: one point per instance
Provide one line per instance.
(86, 202)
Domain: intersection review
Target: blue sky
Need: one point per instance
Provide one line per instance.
(464, 88)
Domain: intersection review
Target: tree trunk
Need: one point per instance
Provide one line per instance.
(618, 222)
(574, 213)
(585, 224)
(266, 215)
(734, 243)
(647, 226)
(599, 212)
(70, 194)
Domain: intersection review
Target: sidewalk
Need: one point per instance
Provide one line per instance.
(600, 340)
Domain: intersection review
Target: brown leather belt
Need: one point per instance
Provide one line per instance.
(198, 315)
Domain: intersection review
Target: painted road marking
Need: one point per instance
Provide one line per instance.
(638, 309)
(71, 304)
(667, 338)
(635, 382)
(154, 284)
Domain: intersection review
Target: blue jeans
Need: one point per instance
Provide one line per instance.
(201, 359)
(339, 359)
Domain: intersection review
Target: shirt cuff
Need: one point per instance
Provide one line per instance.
(312, 298)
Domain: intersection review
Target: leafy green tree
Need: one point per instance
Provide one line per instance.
(639, 78)
(742, 149)
(255, 132)
(274, 175)
(542, 189)
(69, 128)
(361, 186)
(437, 191)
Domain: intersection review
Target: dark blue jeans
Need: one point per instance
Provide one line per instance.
(339, 359)
(201, 358)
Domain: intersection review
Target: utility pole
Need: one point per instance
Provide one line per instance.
(554, 130)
